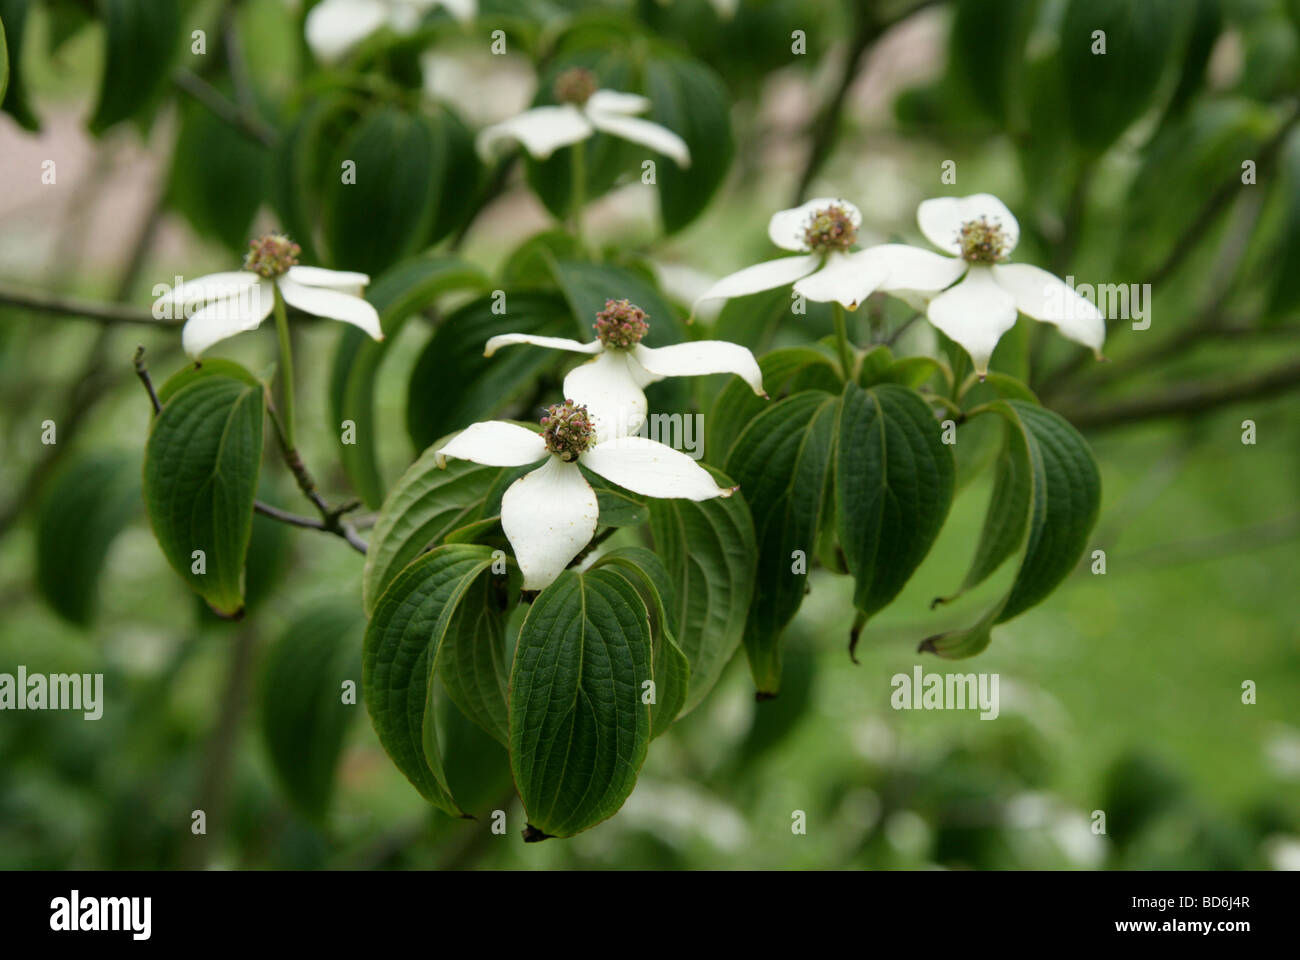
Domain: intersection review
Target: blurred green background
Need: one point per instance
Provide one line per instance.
(1122, 693)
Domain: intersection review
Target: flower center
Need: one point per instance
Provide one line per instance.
(575, 85)
(621, 324)
(271, 255)
(830, 229)
(982, 241)
(568, 430)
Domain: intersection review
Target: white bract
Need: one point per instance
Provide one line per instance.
(981, 294)
(336, 26)
(221, 305)
(581, 112)
(550, 514)
(612, 383)
(823, 231)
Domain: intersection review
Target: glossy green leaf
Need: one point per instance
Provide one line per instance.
(578, 727)
(782, 462)
(454, 385)
(1105, 92)
(472, 659)
(894, 481)
(689, 99)
(142, 39)
(397, 294)
(200, 480)
(13, 94)
(399, 658)
(304, 716)
(389, 211)
(83, 508)
(987, 53)
(671, 669)
(1046, 497)
(709, 553)
(425, 505)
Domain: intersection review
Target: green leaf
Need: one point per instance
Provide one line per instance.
(397, 294)
(424, 506)
(671, 668)
(894, 481)
(453, 384)
(301, 166)
(218, 176)
(85, 505)
(1046, 496)
(1285, 294)
(709, 554)
(782, 462)
(757, 320)
(202, 369)
(390, 209)
(472, 659)
(987, 53)
(13, 94)
(578, 728)
(458, 191)
(200, 480)
(142, 39)
(689, 99)
(1105, 92)
(303, 714)
(588, 285)
(737, 404)
(400, 656)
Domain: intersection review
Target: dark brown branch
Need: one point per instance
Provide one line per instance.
(1186, 399)
(106, 313)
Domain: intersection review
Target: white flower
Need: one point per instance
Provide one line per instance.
(823, 230)
(611, 385)
(239, 300)
(582, 110)
(550, 514)
(976, 311)
(336, 26)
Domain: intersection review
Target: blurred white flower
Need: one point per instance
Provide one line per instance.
(336, 26)
(240, 300)
(550, 514)
(612, 384)
(981, 233)
(583, 110)
(823, 231)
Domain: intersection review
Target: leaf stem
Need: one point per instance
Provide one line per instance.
(578, 192)
(286, 367)
(842, 340)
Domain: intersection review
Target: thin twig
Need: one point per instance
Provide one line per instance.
(41, 301)
(251, 126)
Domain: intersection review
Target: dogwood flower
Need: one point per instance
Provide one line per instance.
(236, 301)
(580, 112)
(611, 384)
(550, 514)
(336, 26)
(981, 293)
(823, 231)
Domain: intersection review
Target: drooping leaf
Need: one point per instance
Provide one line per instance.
(709, 553)
(689, 99)
(453, 384)
(1046, 496)
(142, 39)
(85, 505)
(399, 657)
(672, 670)
(472, 659)
(987, 53)
(578, 727)
(304, 714)
(201, 470)
(13, 94)
(894, 481)
(397, 294)
(380, 201)
(1105, 92)
(782, 462)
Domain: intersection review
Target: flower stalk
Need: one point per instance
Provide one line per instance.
(286, 368)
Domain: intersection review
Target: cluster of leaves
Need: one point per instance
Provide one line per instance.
(846, 468)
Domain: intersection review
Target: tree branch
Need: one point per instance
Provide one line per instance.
(245, 121)
(107, 313)
(1186, 399)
